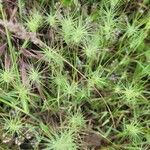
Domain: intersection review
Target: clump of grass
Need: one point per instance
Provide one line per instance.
(78, 67)
(13, 124)
(34, 21)
(51, 20)
(67, 28)
(35, 75)
(74, 31)
(80, 32)
(133, 131)
(92, 46)
(50, 56)
(7, 76)
(61, 141)
(77, 122)
(97, 79)
(23, 93)
(132, 93)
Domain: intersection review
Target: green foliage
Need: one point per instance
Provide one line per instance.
(7, 76)
(13, 124)
(77, 122)
(51, 20)
(35, 76)
(76, 72)
(61, 141)
(34, 21)
(74, 31)
(133, 131)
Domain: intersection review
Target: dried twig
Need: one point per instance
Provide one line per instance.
(23, 71)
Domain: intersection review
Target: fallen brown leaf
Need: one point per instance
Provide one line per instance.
(23, 72)
(2, 49)
(7, 62)
(21, 32)
(31, 53)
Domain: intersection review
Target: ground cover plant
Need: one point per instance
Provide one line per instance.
(75, 74)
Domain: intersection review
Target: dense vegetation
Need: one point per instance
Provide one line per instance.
(75, 74)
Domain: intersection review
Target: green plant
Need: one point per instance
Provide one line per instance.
(61, 141)
(35, 76)
(52, 20)
(80, 32)
(75, 74)
(133, 131)
(132, 93)
(96, 79)
(34, 21)
(77, 122)
(13, 124)
(67, 24)
(23, 93)
(7, 76)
